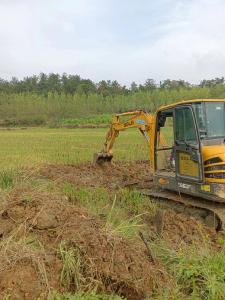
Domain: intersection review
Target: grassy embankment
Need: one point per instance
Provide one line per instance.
(195, 271)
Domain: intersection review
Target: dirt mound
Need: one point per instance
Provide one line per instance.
(181, 229)
(47, 243)
(41, 231)
(111, 176)
(177, 227)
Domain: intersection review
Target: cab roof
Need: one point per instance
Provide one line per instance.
(182, 102)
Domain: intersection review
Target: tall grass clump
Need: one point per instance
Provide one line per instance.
(71, 274)
(122, 211)
(100, 200)
(199, 271)
(202, 275)
(117, 222)
(7, 178)
(96, 200)
(135, 202)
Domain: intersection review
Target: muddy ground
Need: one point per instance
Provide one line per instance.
(111, 176)
(30, 264)
(178, 226)
(35, 225)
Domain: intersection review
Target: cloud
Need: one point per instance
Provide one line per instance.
(112, 39)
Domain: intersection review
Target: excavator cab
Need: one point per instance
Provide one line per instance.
(181, 156)
(197, 148)
(178, 162)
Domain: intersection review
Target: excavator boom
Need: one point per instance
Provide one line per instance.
(139, 119)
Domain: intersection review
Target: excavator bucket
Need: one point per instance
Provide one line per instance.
(101, 158)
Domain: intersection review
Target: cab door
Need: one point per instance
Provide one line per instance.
(188, 158)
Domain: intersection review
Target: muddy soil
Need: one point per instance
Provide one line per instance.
(112, 176)
(32, 229)
(177, 224)
(34, 224)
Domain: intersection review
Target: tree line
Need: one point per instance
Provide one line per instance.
(43, 84)
(56, 100)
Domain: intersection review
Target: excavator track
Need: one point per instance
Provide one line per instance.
(211, 213)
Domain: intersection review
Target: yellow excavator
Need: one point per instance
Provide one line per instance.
(186, 143)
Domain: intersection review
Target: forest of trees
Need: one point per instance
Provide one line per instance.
(74, 84)
(55, 99)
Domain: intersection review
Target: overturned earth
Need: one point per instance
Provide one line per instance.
(38, 228)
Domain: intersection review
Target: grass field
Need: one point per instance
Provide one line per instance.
(37, 146)
(188, 260)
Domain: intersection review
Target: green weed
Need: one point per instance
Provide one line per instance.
(32, 241)
(117, 213)
(127, 228)
(7, 179)
(199, 272)
(203, 276)
(221, 241)
(117, 222)
(135, 202)
(96, 200)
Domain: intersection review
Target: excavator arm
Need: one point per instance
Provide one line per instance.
(134, 119)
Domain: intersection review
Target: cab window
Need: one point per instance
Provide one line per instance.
(210, 117)
(185, 127)
(165, 142)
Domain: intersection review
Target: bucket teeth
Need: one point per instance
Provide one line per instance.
(101, 157)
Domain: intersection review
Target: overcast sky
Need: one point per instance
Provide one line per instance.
(113, 39)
